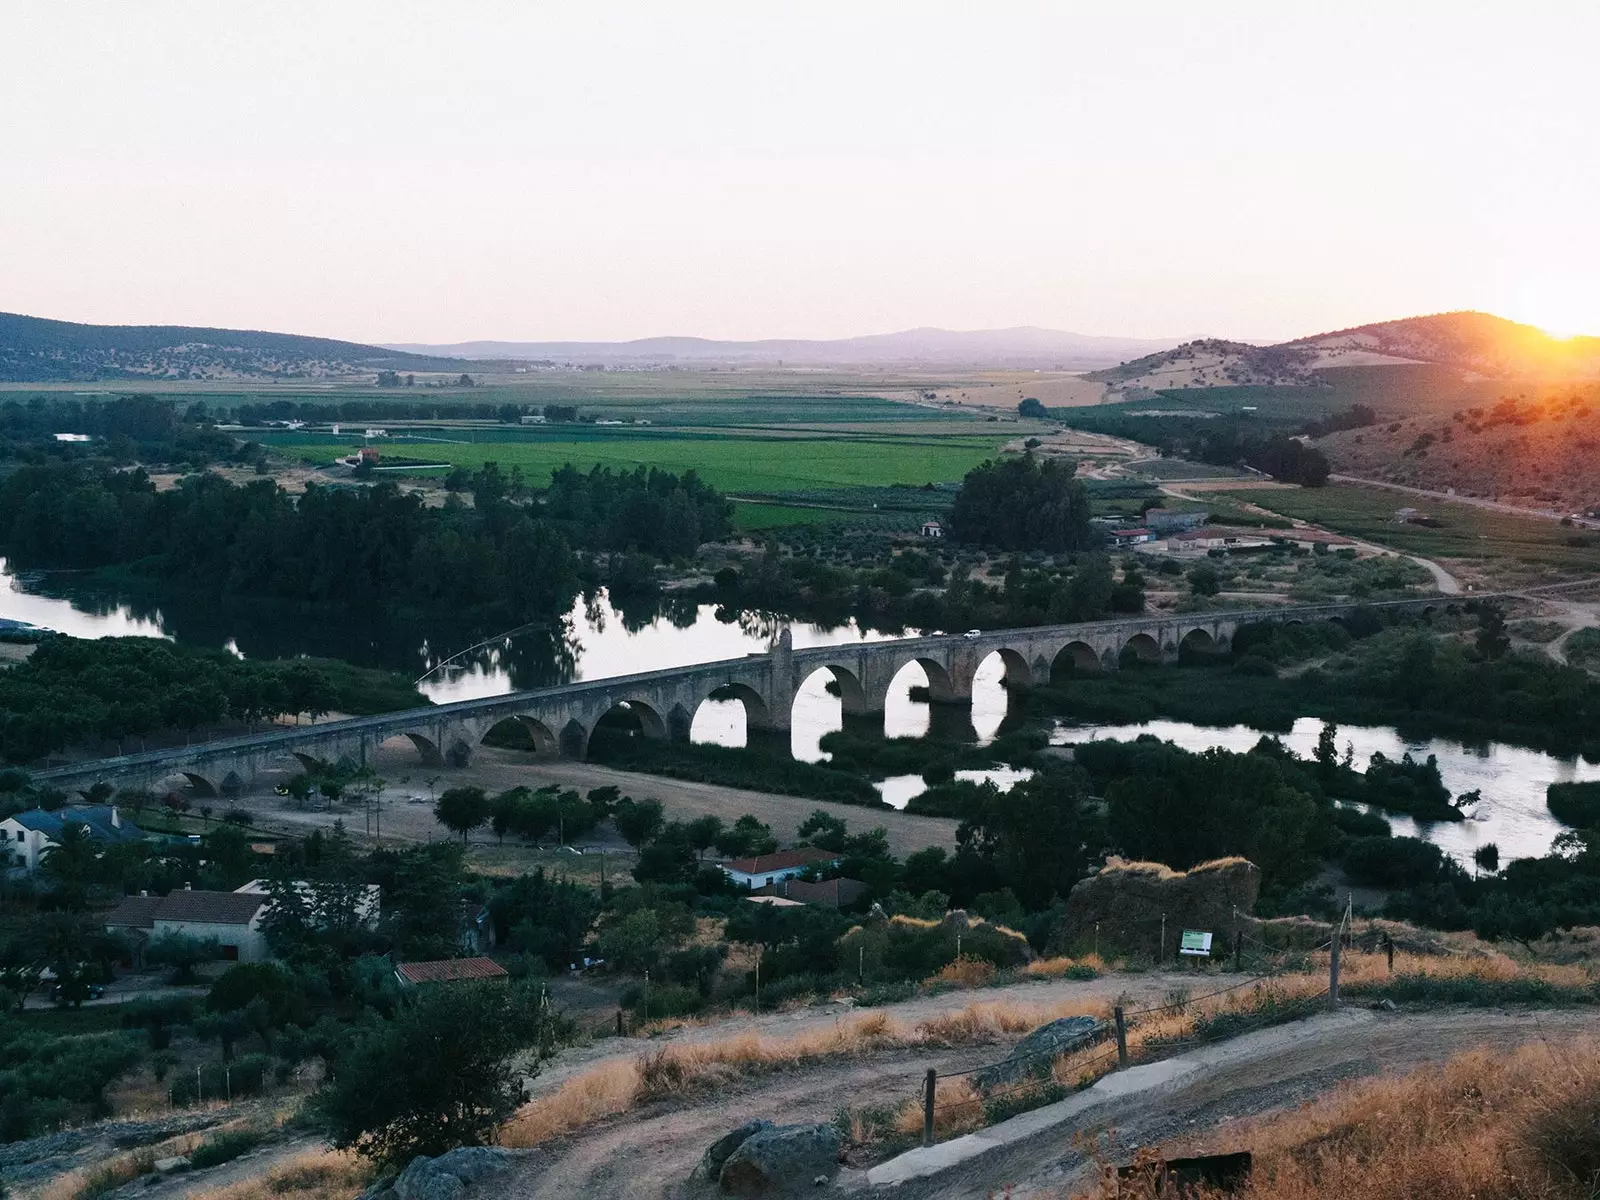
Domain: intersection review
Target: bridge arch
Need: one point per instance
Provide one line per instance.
(521, 732)
(1142, 648)
(843, 683)
(310, 763)
(1075, 656)
(633, 716)
(1198, 643)
(432, 755)
(941, 688)
(729, 715)
(201, 786)
(1015, 672)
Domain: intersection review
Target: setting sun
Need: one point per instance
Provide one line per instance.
(1562, 306)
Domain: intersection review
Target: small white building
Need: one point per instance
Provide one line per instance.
(766, 869)
(932, 529)
(533, 418)
(232, 919)
(26, 838)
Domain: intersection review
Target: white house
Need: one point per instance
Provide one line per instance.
(27, 837)
(233, 919)
(932, 529)
(765, 869)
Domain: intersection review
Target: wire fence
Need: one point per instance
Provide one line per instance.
(1043, 1085)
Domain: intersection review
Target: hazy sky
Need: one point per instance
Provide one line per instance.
(451, 170)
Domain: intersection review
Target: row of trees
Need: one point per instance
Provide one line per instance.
(72, 690)
(355, 546)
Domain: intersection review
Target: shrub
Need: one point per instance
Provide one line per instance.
(1576, 804)
(225, 1147)
(1392, 862)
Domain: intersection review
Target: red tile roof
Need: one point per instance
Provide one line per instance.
(451, 970)
(781, 861)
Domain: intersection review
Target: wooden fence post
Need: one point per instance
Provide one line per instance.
(1333, 974)
(1122, 1038)
(927, 1107)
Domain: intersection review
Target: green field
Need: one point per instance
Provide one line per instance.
(734, 462)
(1465, 531)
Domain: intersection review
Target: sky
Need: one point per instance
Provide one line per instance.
(464, 169)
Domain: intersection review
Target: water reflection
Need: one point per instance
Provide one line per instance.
(899, 790)
(1511, 779)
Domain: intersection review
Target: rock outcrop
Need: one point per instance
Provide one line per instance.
(1036, 1053)
(782, 1160)
(451, 1176)
(1127, 900)
(710, 1167)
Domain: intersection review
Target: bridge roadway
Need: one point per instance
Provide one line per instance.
(561, 719)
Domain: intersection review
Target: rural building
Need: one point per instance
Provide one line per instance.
(773, 901)
(1174, 520)
(232, 919)
(766, 869)
(26, 837)
(533, 419)
(829, 893)
(932, 529)
(451, 970)
(1212, 537)
(1131, 537)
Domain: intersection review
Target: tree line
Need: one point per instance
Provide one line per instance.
(366, 545)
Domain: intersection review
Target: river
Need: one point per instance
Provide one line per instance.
(1511, 779)
(598, 640)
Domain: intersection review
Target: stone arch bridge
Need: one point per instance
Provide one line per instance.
(559, 720)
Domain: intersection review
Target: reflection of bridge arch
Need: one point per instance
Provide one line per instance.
(1075, 656)
(1143, 648)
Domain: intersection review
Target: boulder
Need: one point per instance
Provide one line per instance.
(710, 1167)
(450, 1175)
(165, 1166)
(1035, 1054)
(782, 1159)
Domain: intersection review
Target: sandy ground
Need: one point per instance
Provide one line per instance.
(408, 813)
(1007, 389)
(651, 1151)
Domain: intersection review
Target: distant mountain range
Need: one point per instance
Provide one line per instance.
(1469, 341)
(1025, 346)
(35, 350)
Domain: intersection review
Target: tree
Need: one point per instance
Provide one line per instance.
(182, 953)
(1023, 504)
(1203, 580)
(824, 830)
(703, 833)
(1493, 639)
(445, 1072)
(746, 837)
(638, 821)
(462, 809)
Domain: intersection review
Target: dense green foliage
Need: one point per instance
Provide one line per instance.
(1576, 804)
(1023, 504)
(1229, 439)
(440, 1074)
(45, 1080)
(72, 690)
(507, 553)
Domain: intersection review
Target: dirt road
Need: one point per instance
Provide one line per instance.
(650, 1152)
(1254, 1076)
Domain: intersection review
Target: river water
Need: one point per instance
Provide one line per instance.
(599, 639)
(1512, 779)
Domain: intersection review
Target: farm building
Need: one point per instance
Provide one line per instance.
(26, 837)
(766, 869)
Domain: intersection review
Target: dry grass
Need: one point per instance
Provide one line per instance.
(1055, 968)
(1521, 1126)
(325, 1174)
(966, 972)
(614, 1088)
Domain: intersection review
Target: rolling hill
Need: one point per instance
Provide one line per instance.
(1473, 343)
(36, 350)
(1026, 346)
